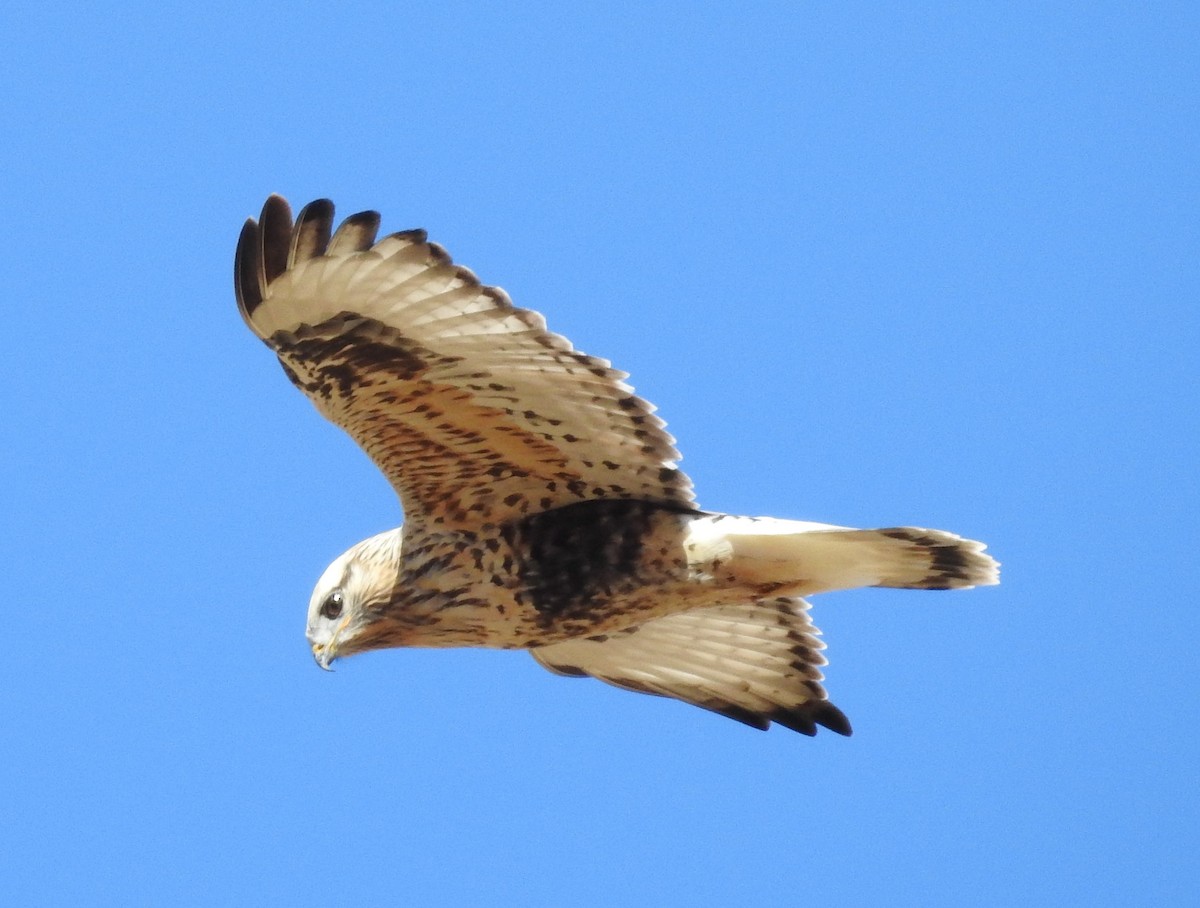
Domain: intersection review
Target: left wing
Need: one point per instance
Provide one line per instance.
(473, 410)
(757, 663)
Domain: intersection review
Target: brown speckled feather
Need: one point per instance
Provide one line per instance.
(474, 411)
(544, 510)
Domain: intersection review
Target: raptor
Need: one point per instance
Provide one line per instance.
(543, 506)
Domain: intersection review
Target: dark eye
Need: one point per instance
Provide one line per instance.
(332, 606)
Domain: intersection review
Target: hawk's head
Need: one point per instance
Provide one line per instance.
(346, 601)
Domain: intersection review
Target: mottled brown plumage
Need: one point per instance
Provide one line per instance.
(471, 408)
(544, 509)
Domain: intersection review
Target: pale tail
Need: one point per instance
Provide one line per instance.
(835, 558)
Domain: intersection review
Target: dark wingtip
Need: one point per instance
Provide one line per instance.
(314, 226)
(261, 255)
(246, 269)
(268, 247)
(740, 714)
(275, 232)
(806, 717)
(825, 713)
(802, 719)
(797, 721)
(355, 234)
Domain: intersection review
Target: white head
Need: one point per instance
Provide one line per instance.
(346, 601)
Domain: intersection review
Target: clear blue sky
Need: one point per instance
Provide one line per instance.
(877, 264)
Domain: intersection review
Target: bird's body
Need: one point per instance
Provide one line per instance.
(604, 566)
(544, 509)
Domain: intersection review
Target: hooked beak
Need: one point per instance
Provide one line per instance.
(324, 655)
(326, 652)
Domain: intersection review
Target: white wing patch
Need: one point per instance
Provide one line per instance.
(758, 663)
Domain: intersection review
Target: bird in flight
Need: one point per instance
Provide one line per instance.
(543, 506)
